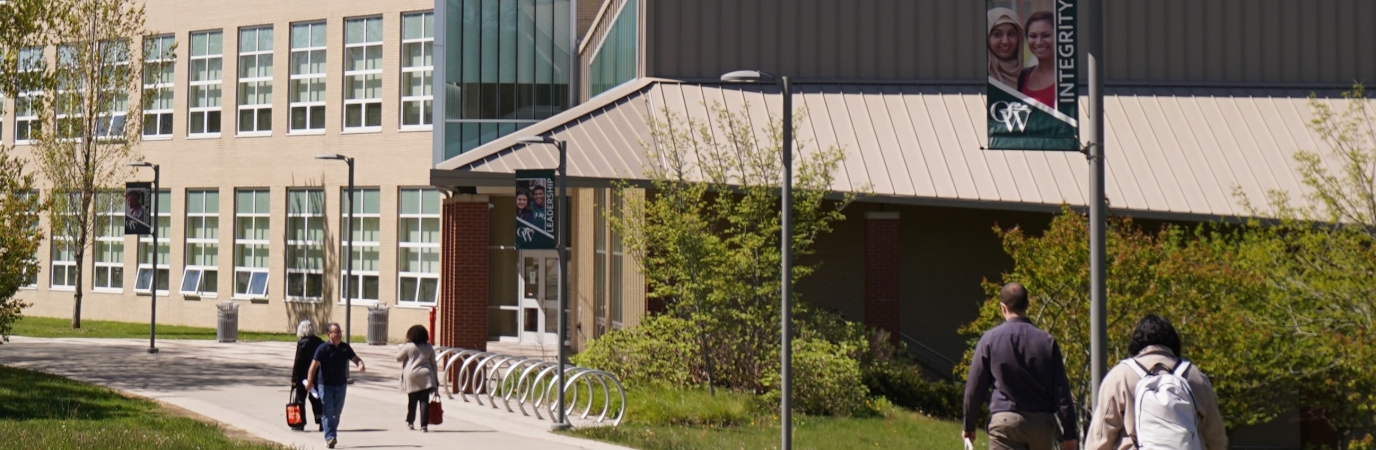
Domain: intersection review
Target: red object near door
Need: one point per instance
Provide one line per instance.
(432, 325)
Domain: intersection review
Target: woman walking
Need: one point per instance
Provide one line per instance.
(305, 353)
(419, 375)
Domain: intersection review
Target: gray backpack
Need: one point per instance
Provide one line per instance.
(1165, 408)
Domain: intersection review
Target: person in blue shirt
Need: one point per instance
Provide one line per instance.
(330, 369)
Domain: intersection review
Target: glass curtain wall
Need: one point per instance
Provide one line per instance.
(507, 65)
(614, 62)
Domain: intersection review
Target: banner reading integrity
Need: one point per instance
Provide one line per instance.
(1033, 74)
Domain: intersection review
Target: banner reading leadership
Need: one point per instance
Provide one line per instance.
(1033, 103)
(535, 213)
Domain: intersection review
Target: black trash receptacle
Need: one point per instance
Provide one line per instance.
(227, 327)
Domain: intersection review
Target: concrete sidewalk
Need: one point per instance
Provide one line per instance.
(245, 385)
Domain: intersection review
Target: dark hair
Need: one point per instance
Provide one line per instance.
(1014, 296)
(417, 335)
(1037, 17)
(537, 188)
(1154, 330)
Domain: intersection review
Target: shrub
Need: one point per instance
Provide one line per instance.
(652, 354)
(905, 386)
(826, 380)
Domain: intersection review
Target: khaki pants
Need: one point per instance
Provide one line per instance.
(1022, 431)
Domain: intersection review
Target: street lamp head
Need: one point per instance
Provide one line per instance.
(536, 140)
(331, 156)
(141, 164)
(748, 76)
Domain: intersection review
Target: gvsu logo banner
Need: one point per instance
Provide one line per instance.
(535, 209)
(1032, 92)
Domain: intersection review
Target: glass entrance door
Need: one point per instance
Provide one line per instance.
(539, 291)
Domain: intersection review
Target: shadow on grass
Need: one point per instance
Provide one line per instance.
(29, 395)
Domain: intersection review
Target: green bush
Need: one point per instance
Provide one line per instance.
(826, 380)
(905, 386)
(695, 407)
(652, 354)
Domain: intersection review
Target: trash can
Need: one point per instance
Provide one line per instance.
(377, 324)
(227, 327)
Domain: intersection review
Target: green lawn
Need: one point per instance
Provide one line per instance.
(41, 411)
(693, 420)
(49, 327)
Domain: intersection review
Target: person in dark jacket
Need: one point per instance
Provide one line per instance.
(305, 353)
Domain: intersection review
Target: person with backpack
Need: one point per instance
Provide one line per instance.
(1031, 393)
(1156, 399)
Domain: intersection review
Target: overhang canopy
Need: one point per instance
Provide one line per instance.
(1173, 153)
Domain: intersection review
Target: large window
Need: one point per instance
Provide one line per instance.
(143, 278)
(363, 74)
(63, 245)
(110, 123)
(419, 278)
(25, 115)
(200, 277)
(618, 256)
(109, 248)
(158, 65)
(509, 64)
(417, 66)
(305, 243)
(366, 237)
(615, 60)
(255, 81)
(206, 62)
(252, 211)
(307, 87)
(599, 262)
(30, 278)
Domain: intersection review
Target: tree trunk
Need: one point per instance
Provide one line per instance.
(76, 297)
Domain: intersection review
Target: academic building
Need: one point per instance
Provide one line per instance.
(429, 98)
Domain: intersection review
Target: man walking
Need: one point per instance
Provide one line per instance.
(332, 364)
(1023, 365)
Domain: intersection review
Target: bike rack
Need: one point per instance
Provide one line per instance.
(530, 382)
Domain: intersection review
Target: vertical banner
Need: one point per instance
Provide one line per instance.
(535, 209)
(1033, 102)
(138, 202)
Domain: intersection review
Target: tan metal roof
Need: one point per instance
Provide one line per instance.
(1172, 152)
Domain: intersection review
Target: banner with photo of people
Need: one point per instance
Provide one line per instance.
(535, 213)
(138, 207)
(1033, 101)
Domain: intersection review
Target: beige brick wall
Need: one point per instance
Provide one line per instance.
(386, 160)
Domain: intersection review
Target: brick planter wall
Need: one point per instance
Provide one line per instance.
(464, 273)
(883, 243)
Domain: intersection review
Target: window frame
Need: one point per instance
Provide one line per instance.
(296, 79)
(26, 118)
(427, 43)
(363, 103)
(157, 56)
(361, 216)
(192, 217)
(404, 243)
(37, 252)
(109, 233)
(204, 86)
(254, 273)
(164, 239)
(258, 82)
(307, 217)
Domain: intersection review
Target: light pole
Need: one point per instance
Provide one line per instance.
(785, 247)
(1092, 34)
(561, 247)
(153, 286)
(349, 264)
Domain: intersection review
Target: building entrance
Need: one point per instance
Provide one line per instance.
(539, 296)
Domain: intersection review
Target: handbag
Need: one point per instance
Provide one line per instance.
(295, 411)
(436, 410)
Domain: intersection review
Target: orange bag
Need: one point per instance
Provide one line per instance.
(296, 416)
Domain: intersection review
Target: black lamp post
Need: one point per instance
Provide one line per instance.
(785, 246)
(153, 286)
(349, 264)
(562, 421)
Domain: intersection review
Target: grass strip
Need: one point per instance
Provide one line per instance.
(51, 327)
(44, 411)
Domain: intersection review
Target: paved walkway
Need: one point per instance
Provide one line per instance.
(244, 385)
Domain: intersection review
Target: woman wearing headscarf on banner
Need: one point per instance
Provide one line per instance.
(1005, 46)
(1039, 82)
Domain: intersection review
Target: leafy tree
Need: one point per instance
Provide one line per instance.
(89, 122)
(19, 237)
(707, 235)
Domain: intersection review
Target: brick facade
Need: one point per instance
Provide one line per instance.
(464, 273)
(882, 246)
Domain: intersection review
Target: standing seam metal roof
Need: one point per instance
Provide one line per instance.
(1171, 151)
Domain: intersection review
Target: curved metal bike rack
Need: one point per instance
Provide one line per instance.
(530, 382)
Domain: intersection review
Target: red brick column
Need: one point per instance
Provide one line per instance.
(883, 244)
(463, 273)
